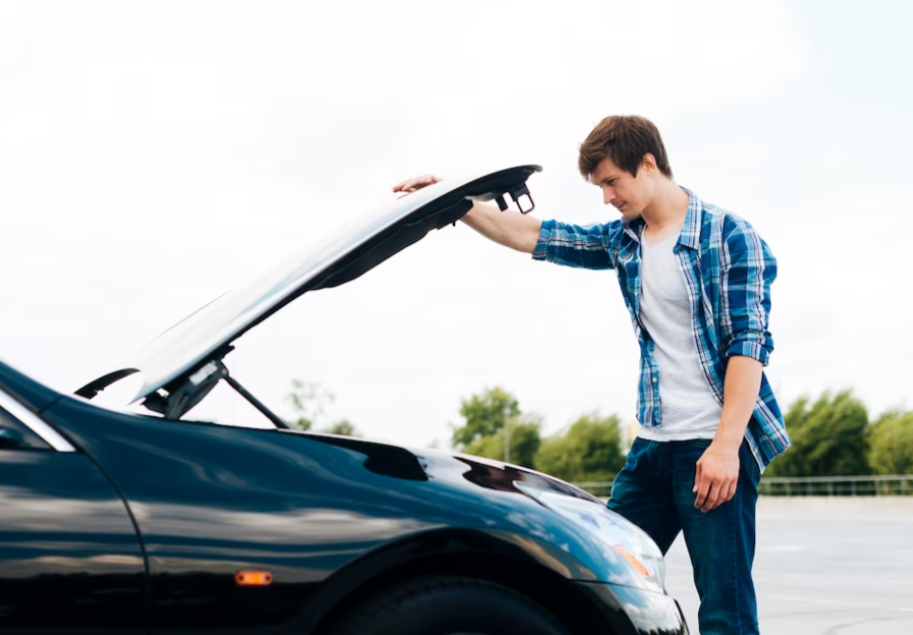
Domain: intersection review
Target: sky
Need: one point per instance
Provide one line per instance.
(152, 155)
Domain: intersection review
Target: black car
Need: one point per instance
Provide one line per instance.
(141, 520)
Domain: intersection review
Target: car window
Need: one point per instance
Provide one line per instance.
(15, 435)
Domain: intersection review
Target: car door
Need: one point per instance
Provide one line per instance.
(70, 558)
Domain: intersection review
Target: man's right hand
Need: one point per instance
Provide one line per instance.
(417, 183)
(510, 228)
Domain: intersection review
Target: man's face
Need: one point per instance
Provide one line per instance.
(629, 194)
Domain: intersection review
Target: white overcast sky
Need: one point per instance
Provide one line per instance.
(151, 153)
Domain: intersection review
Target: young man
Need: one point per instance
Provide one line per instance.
(696, 280)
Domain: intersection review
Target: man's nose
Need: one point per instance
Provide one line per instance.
(608, 195)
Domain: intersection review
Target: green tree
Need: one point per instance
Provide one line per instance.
(524, 443)
(829, 438)
(309, 401)
(484, 415)
(482, 432)
(590, 450)
(891, 444)
(343, 427)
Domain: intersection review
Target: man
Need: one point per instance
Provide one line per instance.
(696, 280)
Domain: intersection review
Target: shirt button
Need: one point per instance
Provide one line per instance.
(654, 380)
(637, 293)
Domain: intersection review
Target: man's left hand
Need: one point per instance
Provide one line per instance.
(716, 477)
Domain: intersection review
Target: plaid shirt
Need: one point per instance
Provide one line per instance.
(727, 269)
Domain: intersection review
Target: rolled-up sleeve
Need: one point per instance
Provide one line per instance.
(749, 271)
(589, 247)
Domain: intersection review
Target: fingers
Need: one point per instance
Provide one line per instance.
(716, 475)
(717, 492)
(405, 186)
(416, 183)
(702, 487)
(713, 498)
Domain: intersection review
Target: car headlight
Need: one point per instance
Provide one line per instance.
(626, 538)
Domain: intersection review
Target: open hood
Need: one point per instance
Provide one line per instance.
(182, 364)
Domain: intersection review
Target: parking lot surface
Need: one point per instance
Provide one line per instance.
(823, 566)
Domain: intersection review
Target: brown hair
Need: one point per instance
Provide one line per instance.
(624, 139)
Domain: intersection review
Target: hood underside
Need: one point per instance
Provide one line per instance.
(183, 353)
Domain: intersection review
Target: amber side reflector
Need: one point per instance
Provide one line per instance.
(637, 564)
(253, 578)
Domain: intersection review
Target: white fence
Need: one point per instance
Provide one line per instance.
(884, 485)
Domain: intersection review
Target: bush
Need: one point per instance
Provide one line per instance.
(829, 438)
(891, 444)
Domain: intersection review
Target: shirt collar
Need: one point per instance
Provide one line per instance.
(691, 229)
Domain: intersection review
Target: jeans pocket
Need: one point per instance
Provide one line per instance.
(752, 469)
(697, 443)
(639, 449)
(636, 456)
(693, 447)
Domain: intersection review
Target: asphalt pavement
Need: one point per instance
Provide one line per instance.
(823, 566)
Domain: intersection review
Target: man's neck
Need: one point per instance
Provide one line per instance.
(666, 213)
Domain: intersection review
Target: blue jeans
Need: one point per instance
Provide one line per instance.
(653, 490)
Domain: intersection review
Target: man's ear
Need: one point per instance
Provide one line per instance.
(648, 164)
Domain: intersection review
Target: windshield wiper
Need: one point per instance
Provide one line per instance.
(94, 387)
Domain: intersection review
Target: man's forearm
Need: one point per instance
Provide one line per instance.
(509, 228)
(740, 393)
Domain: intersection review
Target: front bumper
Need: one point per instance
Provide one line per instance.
(633, 611)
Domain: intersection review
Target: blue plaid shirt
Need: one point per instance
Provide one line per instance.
(727, 269)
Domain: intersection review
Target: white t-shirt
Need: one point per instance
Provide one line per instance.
(688, 406)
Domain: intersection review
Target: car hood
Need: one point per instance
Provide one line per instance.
(206, 335)
(414, 464)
